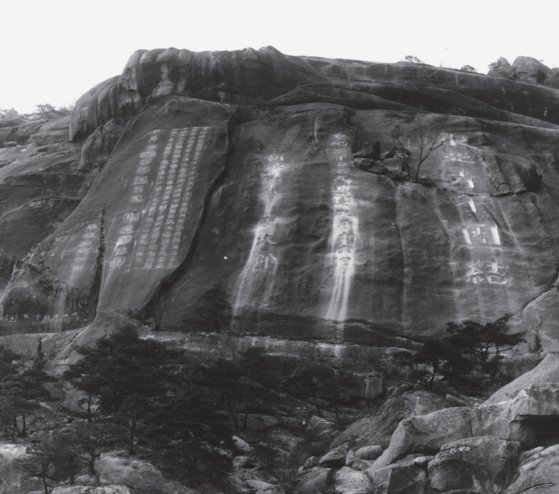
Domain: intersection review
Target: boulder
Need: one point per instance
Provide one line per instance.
(242, 445)
(315, 481)
(262, 487)
(98, 146)
(13, 477)
(397, 479)
(427, 433)
(310, 462)
(547, 371)
(106, 489)
(531, 417)
(359, 464)
(528, 69)
(501, 68)
(318, 426)
(376, 429)
(349, 481)
(422, 461)
(334, 458)
(52, 132)
(139, 475)
(369, 452)
(553, 78)
(480, 464)
(538, 472)
(243, 461)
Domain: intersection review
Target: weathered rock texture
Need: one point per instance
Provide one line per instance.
(509, 446)
(236, 171)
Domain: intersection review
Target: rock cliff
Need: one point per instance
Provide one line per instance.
(254, 174)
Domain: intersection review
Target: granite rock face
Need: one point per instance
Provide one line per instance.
(509, 446)
(481, 464)
(237, 172)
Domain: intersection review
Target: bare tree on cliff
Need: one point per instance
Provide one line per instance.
(423, 139)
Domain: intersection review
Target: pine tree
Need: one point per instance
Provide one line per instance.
(211, 312)
(21, 390)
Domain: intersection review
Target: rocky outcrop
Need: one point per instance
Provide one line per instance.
(349, 481)
(13, 477)
(538, 472)
(138, 475)
(235, 173)
(505, 420)
(501, 68)
(479, 464)
(530, 70)
(526, 69)
(222, 201)
(546, 372)
(315, 481)
(260, 76)
(377, 429)
(242, 76)
(500, 447)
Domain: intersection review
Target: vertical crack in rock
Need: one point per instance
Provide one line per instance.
(97, 281)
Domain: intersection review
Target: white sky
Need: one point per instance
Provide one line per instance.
(52, 51)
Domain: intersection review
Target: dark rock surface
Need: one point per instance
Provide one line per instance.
(235, 171)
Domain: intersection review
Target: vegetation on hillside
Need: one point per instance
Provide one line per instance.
(469, 357)
(181, 413)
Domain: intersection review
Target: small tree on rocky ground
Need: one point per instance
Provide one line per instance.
(469, 355)
(418, 143)
(39, 464)
(50, 111)
(211, 312)
(325, 386)
(125, 375)
(412, 59)
(55, 456)
(90, 440)
(483, 344)
(121, 366)
(150, 395)
(236, 390)
(189, 433)
(21, 390)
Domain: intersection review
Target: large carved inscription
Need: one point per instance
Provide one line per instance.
(479, 229)
(151, 230)
(459, 165)
(491, 272)
(481, 235)
(78, 258)
(345, 227)
(256, 280)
